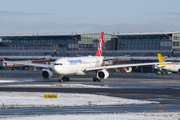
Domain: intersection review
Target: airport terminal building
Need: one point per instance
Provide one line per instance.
(136, 44)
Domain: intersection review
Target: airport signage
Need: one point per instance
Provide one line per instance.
(50, 96)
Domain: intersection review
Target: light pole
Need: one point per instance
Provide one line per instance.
(33, 46)
(72, 44)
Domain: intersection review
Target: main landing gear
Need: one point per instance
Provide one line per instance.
(96, 79)
(64, 78)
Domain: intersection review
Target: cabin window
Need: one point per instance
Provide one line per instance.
(57, 63)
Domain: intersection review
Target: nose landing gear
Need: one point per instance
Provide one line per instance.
(64, 78)
(96, 79)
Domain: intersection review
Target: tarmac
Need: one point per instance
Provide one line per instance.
(141, 86)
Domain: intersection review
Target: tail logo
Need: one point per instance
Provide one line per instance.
(161, 59)
(100, 45)
(99, 50)
(2, 58)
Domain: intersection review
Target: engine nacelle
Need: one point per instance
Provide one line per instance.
(47, 73)
(128, 69)
(102, 74)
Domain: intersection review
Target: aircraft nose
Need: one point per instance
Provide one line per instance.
(54, 68)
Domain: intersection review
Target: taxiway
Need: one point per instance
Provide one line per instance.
(151, 87)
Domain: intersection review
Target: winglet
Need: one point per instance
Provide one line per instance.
(99, 50)
(161, 59)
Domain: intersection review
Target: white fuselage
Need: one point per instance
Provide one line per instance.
(75, 65)
(173, 68)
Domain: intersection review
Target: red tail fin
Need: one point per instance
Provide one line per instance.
(99, 50)
(2, 58)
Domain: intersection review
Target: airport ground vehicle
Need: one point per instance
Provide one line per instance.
(158, 72)
(163, 72)
(169, 73)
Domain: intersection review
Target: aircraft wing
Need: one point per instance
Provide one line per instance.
(119, 66)
(161, 66)
(111, 58)
(30, 64)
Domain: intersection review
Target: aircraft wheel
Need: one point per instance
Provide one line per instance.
(64, 78)
(60, 80)
(94, 79)
(67, 78)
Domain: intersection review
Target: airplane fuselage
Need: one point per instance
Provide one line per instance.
(174, 67)
(75, 65)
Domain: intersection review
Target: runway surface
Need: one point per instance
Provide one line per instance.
(87, 109)
(164, 89)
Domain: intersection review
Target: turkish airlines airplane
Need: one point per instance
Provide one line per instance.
(79, 65)
(174, 66)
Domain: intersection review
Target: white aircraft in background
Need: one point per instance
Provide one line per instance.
(79, 65)
(174, 66)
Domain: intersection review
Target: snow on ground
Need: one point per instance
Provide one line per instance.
(28, 99)
(8, 81)
(50, 85)
(59, 85)
(119, 116)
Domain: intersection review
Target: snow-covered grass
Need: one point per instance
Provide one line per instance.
(119, 116)
(59, 85)
(27, 99)
(8, 81)
(49, 85)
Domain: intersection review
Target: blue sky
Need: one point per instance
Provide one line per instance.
(67, 16)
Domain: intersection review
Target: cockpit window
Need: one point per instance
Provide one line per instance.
(57, 63)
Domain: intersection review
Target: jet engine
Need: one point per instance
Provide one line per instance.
(102, 74)
(128, 69)
(47, 73)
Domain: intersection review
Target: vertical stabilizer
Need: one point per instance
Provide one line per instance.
(99, 50)
(161, 59)
(2, 58)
